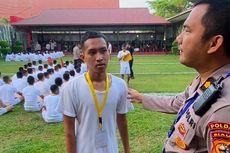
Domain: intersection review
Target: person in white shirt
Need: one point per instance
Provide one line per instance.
(48, 47)
(1, 82)
(19, 83)
(32, 96)
(58, 81)
(72, 74)
(8, 93)
(14, 77)
(41, 85)
(96, 131)
(77, 53)
(110, 49)
(37, 47)
(66, 78)
(49, 113)
(124, 64)
(4, 108)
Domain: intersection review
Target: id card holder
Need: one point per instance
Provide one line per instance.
(101, 139)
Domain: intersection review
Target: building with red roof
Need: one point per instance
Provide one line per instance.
(65, 22)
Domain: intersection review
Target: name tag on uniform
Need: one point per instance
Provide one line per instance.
(101, 139)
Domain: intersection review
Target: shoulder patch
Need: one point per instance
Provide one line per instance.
(222, 135)
(221, 146)
(219, 126)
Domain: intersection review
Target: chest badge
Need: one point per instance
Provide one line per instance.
(181, 129)
(180, 143)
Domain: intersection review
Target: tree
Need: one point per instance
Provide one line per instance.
(169, 8)
(4, 48)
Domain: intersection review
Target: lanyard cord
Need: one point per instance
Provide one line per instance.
(181, 113)
(98, 107)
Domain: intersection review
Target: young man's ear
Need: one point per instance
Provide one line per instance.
(215, 43)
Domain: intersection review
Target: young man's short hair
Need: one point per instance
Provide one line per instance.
(40, 76)
(54, 88)
(58, 81)
(19, 74)
(6, 79)
(30, 80)
(91, 35)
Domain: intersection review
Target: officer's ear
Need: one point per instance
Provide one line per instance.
(82, 56)
(215, 43)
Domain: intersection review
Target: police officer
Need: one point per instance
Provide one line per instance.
(202, 123)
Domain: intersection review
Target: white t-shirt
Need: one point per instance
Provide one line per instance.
(31, 94)
(77, 101)
(42, 87)
(1, 82)
(7, 94)
(19, 84)
(124, 65)
(76, 52)
(50, 114)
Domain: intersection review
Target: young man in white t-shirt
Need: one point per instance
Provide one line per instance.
(124, 62)
(8, 93)
(41, 85)
(32, 96)
(49, 113)
(96, 128)
(19, 83)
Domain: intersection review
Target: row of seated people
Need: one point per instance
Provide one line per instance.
(33, 56)
(38, 94)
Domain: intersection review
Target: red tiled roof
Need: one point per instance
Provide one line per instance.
(115, 16)
(30, 8)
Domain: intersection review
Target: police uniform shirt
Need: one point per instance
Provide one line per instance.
(208, 133)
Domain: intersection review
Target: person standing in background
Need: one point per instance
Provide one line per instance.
(131, 50)
(110, 49)
(124, 57)
(77, 54)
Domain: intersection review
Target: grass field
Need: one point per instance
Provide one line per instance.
(22, 132)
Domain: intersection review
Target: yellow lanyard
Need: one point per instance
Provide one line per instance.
(98, 107)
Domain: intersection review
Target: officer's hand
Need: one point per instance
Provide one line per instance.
(135, 96)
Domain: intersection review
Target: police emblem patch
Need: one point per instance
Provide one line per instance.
(220, 146)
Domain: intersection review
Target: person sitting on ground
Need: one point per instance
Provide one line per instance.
(41, 85)
(32, 96)
(49, 113)
(66, 79)
(72, 74)
(4, 108)
(19, 83)
(58, 81)
(8, 93)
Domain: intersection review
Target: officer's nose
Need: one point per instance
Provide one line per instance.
(179, 39)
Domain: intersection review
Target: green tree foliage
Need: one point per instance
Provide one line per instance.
(174, 48)
(168, 8)
(4, 48)
(17, 47)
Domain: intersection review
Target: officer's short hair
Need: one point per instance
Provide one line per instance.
(217, 21)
